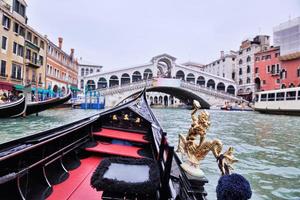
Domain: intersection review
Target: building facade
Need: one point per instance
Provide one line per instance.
(267, 68)
(245, 64)
(287, 36)
(62, 69)
(85, 70)
(23, 50)
(224, 66)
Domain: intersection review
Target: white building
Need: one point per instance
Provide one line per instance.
(287, 36)
(224, 66)
(85, 70)
(245, 64)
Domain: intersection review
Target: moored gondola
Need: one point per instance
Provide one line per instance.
(13, 109)
(39, 106)
(122, 153)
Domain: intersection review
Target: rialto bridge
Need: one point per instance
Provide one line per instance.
(163, 75)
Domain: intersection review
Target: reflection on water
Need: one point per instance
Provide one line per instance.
(15, 128)
(267, 147)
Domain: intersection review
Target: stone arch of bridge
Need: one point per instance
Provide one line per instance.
(180, 93)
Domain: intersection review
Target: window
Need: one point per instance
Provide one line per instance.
(16, 27)
(15, 46)
(248, 49)
(34, 57)
(28, 54)
(271, 97)
(81, 84)
(240, 61)
(42, 44)
(41, 59)
(264, 82)
(248, 80)
(273, 69)
(22, 31)
(280, 96)
(248, 59)
(240, 71)
(278, 81)
(40, 78)
(4, 42)
(20, 50)
(240, 82)
(268, 69)
(6, 22)
(35, 40)
(298, 72)
(263, 58)
(19, 8)
(298, 95)
(256, 69)
(33, 76)
(277, 69)
(248, 69)
(233, 75)
(263, 97)
(277, 54)
(291, 95)
(82, 71)
(257, 58)
(3, 68)
(29, 36)
(91, 71)
(16, 71)
(268, 57)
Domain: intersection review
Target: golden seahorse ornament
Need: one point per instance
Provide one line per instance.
(196, 151)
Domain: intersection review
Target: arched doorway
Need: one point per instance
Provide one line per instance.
(283, 86)
(102, 83)
(221, 86)
(91, 85)
(180, 75)
(151, 100)
(211, 84)
(113, 81)
(190, 78)
(201, 80)
(136, 76)
(257, 84)
(230, 89)
(125, 79)
(148, 74)
(155, 100)
(63, 90)
(55, 88)
(160, 100)
(166, 100)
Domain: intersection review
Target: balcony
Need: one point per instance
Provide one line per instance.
(33, 63)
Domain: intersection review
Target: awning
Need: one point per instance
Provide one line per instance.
(73, 88)
(19, 87)
(6, 86)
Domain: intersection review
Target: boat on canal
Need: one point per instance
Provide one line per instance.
(13, 109)
(121, 153)
(21, 108)
(282, 101)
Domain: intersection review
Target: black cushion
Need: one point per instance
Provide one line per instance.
(126, 175)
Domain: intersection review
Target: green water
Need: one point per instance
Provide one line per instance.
(267, 146)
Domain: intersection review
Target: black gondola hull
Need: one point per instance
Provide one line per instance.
(13, 109)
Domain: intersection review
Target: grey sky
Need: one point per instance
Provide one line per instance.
(120, 33)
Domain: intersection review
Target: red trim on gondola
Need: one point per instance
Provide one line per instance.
(122, 135)
(77, 185)
(116, 149)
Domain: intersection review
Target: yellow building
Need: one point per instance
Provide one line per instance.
(22, 49)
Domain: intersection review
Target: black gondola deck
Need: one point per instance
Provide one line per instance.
(59, 163)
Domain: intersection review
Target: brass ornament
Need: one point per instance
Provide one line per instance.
(196, 151)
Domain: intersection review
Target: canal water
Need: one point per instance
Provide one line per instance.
(267, 146)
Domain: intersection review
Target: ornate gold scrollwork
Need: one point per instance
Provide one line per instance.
(196, 151)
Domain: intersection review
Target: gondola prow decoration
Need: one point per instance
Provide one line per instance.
(195, 151)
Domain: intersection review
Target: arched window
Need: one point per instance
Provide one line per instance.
(113, 81)
(82, 71)
(248, 69)
(221, 86)
(240, 61)
(102, 83)
(230, 89)
(86, 71)
(248, 80)
(148, 74)
(211, 84)
(201, 80)
(125, 79)
(190, 78)
(91, 85)
(240, 82)
(248, 59)
(136, 76)
(180, 75)
(81, 84)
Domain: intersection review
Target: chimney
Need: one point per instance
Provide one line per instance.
(222, 54)
(72, 53)
(60, 41)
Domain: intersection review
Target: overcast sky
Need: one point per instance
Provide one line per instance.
(120, 33)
